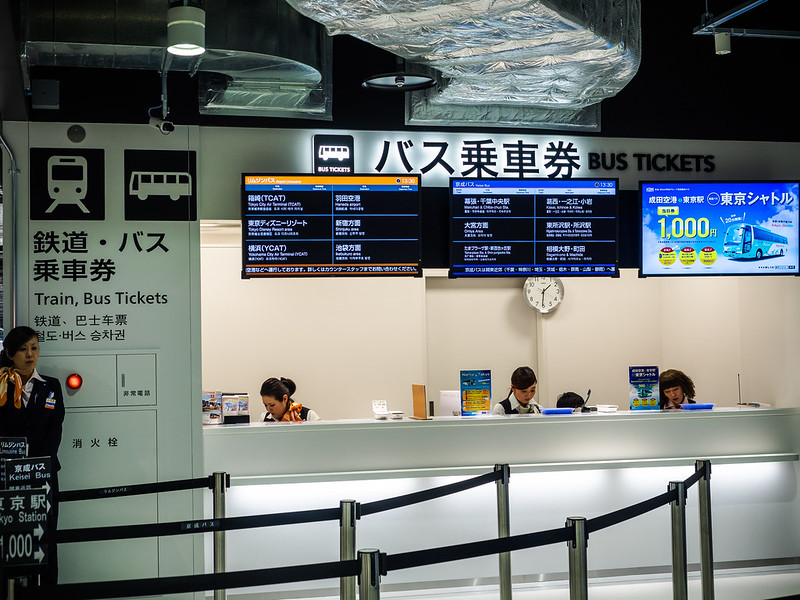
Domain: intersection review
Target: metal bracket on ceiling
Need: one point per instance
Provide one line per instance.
(710, 24)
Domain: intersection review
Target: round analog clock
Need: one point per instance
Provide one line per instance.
(543, 293)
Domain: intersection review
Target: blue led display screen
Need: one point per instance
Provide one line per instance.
(524, 227)
(306, 225)
(719, 228)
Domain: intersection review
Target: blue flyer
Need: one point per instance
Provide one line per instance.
(476, 392)
(643, 388)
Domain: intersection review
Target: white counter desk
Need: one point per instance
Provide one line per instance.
(585, 464)
(368, 448)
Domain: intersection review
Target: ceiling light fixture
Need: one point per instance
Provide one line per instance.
(722, 43)
(186, 28)
(399, 82)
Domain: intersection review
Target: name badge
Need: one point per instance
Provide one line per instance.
(50, 402)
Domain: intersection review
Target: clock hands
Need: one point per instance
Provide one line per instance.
(543, 291)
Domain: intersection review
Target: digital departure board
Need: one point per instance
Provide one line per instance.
(720, 228)
(524, 227)
(330, 225)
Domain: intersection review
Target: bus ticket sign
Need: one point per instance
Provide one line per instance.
(720, 228)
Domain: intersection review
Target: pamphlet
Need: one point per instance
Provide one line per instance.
(644, 393)
(230, 406)
(379, 410)
(244, 404)
(476, 392)
(212, 408)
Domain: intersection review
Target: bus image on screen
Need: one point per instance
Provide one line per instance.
(743, 240)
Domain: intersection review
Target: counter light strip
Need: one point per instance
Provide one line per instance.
(517, 467)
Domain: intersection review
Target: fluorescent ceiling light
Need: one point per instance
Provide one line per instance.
(186, 30)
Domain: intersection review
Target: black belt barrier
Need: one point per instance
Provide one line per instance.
(192, 583)
(118, 532)
(371, 508)
(329, 570)
(136, 489)
(419, 558)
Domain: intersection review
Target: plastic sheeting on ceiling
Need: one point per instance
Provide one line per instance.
(500, 62)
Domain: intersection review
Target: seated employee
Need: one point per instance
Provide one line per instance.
(276, 394)
(570, 400)
(675, 388)
(520, 396)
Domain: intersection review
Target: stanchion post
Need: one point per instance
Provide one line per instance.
(680, 584)
(220, 483)
(349, 513)
(369, 579)
(504, 529)
(578, 573)
(706, 541)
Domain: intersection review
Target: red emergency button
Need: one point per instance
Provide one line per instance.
(74, 381)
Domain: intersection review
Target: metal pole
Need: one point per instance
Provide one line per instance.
(504, 529)
(10, 588)
(680, 584)
(349, 510)
(578, 575)
(11, 279)
(221, 481)
(706, 541)
(369, 579)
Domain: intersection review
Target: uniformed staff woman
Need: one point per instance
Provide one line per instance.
(276, 394)
(675, 388)
(32, 406)
(520, 396)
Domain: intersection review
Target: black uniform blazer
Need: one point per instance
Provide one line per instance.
(36, 422)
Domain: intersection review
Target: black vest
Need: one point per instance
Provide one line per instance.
(506, 404)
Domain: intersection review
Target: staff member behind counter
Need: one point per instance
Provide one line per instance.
(520, 396)
(675, 388)
(570, 400)
(276, 394)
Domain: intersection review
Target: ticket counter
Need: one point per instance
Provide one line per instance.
(561, 465)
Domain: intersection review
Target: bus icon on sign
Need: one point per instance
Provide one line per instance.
(144, 184)
(67, 181)
(340, 153)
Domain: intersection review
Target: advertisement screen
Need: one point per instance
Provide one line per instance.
(330, 225)
(525, 227)
(719, 228)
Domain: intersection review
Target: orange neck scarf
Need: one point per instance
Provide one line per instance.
(7, 373)
(293, 413)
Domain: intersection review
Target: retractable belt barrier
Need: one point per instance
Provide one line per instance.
(328, 570)
(136, 489)
(371, 508)
(90, 534)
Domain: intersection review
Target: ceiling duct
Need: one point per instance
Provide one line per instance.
(500, 62)
(282, 68)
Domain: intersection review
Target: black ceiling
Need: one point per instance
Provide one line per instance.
(682, 89)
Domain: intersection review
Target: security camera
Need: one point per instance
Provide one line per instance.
(165, 127)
